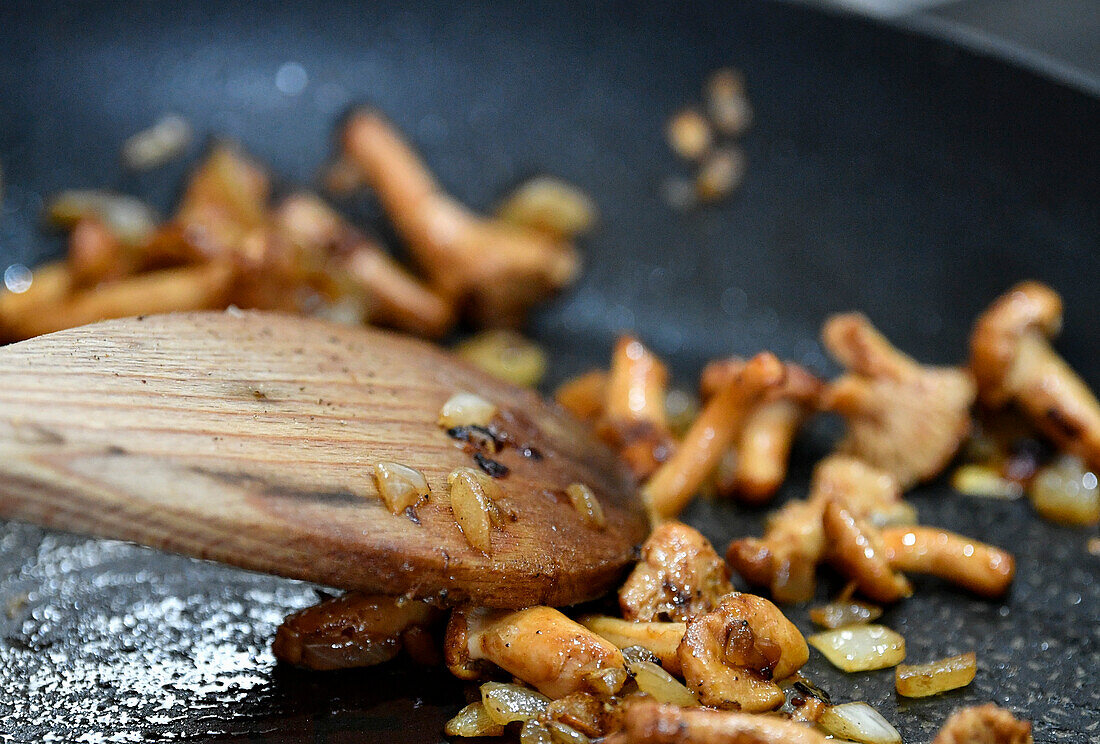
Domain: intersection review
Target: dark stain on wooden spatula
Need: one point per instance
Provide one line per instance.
(248, 438)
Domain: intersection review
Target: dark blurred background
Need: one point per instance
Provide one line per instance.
(1063, 33)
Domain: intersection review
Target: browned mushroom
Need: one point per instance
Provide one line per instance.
(679, 576)
(394, 297)
(730, 657)
(95, 253)
(584, 396)
(1013, 361)
(648, 722)
(981, 568)
(539, 645)
(225, 200)
(356, 630)
(500, 270)
(676, 481)
(634, 420)
(856, 549)
(764, 443)
(984, 724)
(903, 417)
(786, 558)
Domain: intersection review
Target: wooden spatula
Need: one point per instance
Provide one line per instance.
(248, 438)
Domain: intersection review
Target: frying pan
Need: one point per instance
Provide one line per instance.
(889, 172)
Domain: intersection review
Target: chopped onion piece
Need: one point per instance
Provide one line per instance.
(922, 680)
(660, 639)
(506, 355)
(860, 648)
(606, 681)
(689, 134)
(534, 732)
(841, 614)
(474, 505)
(507, 703)
(129, 219)
(897, 514)
(727, 103)
(586, 504)
(466, 409)
(1066, 493)
(561, 733)
(473, 720)
(160, 143)
(349, 310)
(681, 409)
(399, 485)
(634, 653)
(551, 206)
(720, 173)
(982, 480)
(655, 681)
(858, 722)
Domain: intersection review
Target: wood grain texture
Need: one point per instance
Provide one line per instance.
(248, 439)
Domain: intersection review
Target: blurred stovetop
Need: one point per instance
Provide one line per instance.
(1060, 36)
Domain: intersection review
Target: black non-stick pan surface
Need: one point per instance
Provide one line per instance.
(888, 172)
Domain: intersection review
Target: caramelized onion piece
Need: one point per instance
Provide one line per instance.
(466, 409)
(400, 486)
(842, 613)
(471, 721)
(922, 680)
(550, 205)
(586, 504)
(858, 722)
(507, 355)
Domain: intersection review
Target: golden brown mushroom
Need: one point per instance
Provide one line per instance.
(205, 286)
(763, 445)
(634, 418)
(225, 200)
(648, 722)
(394, 297)
(1013, 361)
(500, 270)
(584, 396)
(856, 550)
(973, 565)
(984, 724)
(730, 657)
(786, 558)
(356, 630)
(679, 576)
(676, 481)
(95, 254)
(539, 645)
(903, 417)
